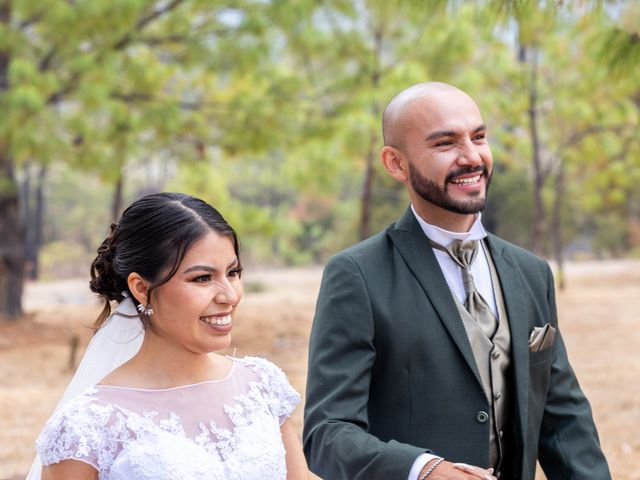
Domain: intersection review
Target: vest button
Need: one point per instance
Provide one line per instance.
(482, 417)
(495, 354)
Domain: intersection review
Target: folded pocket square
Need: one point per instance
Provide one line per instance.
(541, 338)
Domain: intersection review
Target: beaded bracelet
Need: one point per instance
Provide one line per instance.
(431, 469)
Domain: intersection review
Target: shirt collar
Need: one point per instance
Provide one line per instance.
(445, 237)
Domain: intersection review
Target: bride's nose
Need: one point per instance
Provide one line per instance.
(227, 293)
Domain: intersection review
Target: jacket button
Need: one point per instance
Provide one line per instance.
(482, 417)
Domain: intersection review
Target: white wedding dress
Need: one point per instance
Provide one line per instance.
(226, 429)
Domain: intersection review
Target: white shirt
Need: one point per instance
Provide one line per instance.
(451, 270)
(453, 275)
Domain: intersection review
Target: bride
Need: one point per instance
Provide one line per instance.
(174, 409)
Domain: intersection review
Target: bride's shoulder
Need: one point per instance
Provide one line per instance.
(80, 429)
(126, 375)
(83, 406)
(266, 372)
(256, 364)
(269, 379)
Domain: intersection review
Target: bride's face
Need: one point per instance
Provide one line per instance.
(196, 307)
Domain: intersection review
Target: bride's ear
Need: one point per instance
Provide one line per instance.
(138, 287)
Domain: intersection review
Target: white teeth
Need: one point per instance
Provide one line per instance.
(217, 321)
(467, 181)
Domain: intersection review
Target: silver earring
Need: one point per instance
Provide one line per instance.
(145, 311)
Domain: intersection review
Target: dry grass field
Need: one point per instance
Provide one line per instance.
(599, 317)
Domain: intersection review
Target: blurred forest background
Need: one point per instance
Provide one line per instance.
(270, 110)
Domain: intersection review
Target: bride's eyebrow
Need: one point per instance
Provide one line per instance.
(200, 268)
(209, 268)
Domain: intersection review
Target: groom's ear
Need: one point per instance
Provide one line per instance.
(394, 163)
(138, 287)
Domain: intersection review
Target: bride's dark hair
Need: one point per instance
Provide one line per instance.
(152, 236)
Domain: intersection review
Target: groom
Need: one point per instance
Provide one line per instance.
(435, 351)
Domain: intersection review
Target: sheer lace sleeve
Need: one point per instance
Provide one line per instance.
(82, 430)
(281, 396)
(224, 429)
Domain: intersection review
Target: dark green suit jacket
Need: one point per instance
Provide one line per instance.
(392, 374)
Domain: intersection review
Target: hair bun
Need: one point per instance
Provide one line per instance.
(104, 279)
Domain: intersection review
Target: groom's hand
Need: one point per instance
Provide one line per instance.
(457, 471)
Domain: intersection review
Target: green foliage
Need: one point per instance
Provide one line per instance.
(618, 45)
(77, 207)
(64, 259)
(610, 235)
(509, 211)
(271, 110)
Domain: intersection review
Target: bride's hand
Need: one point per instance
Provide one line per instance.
(486, 474)
(69, 469)
(459, 471)
(296, 463)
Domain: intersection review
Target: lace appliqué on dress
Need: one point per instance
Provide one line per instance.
(121, 443)
(84, 430)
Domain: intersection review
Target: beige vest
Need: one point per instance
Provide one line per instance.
(493, 359)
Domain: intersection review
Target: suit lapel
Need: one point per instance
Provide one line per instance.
(411, 243)
(512, 288)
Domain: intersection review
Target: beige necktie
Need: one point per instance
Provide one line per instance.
(463, 253)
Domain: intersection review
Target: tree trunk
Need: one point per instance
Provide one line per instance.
(116, 204)
(369, 172)
(34, 225)
(25, 195)
(367, 187)
(11, 231)
(28, 220)
(11, 241)
(537, 233)
(556, 225)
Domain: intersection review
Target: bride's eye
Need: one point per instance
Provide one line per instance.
(236, 272)
(202, 279)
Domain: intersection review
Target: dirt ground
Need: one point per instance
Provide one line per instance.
(598, 311)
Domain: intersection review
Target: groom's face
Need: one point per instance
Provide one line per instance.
(447, 152)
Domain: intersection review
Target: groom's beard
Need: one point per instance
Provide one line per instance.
(430, 191)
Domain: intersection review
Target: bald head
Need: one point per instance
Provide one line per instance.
(398, 113)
